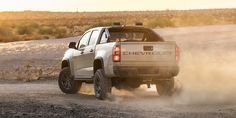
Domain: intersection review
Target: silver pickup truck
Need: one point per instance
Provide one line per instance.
(119, 56)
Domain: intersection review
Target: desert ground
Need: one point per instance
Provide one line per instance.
(206, 82)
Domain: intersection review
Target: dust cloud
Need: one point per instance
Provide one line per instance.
(203, 79)
(207, 78)
(207, 67)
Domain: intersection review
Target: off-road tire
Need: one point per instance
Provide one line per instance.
(165, 87)
(102, 85)
(67, 83)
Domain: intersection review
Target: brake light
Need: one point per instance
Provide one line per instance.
(177, 53)
(116, 53)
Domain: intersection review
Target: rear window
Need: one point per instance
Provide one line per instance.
(133, 35)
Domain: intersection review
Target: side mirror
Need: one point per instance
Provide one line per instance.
(72, 45)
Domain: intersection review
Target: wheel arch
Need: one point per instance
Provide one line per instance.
(98, 64)
(65, 63)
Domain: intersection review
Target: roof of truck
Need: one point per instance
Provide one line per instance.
(127, 27)
(122, 27)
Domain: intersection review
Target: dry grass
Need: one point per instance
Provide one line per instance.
(32, 25)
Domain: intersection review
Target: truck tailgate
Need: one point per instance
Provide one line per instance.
(147, 52)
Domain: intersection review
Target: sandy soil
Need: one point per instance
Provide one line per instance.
(207, 79)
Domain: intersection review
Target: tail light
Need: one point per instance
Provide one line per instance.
(177, 53)
(116, 53)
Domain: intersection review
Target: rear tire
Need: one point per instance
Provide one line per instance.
(165, 87)
(67, 83)
(102, 85)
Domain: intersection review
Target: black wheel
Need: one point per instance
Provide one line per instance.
(165, 87)
(102, 85)
(67, 83)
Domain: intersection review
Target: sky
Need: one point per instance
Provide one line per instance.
(112, 5)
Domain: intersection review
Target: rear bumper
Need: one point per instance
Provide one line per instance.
(154, 72)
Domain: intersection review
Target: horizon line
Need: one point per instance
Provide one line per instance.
(114, 10)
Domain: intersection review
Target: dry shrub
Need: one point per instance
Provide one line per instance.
(33, 25)
(60, 32)
(159, 22)
(46, 30)
(101, 24)
(5, 34)
(28, 73)
(24, 30)
(59, 25)
(5, 31)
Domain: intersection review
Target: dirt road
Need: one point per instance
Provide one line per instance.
(207, 75)
(43, 99)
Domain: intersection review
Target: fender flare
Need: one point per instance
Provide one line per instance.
(65, 63)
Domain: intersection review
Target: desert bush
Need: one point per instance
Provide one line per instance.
(24, 29)
(46, 30)
(60, 32)
(34, 25)
(6, 34)
(5, 31)
(159, 22)
(9, 39)
(45, 36)
(100, 24)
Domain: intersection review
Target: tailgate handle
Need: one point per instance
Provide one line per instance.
(148, 48)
